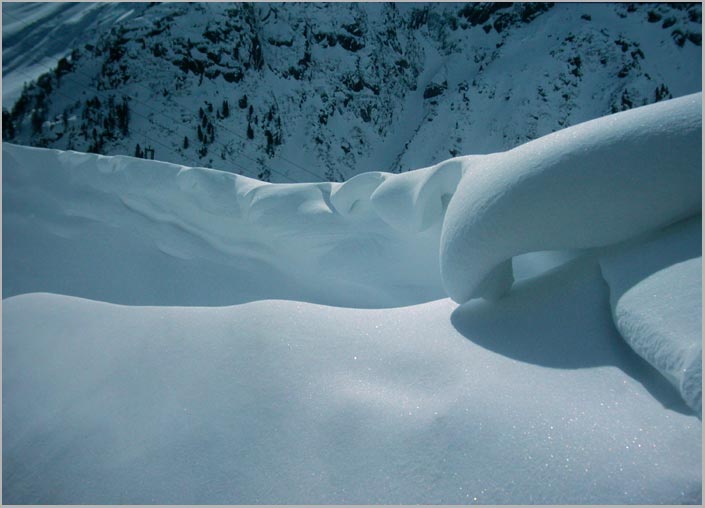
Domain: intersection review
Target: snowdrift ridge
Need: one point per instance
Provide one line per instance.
(205, 237)
(292, 402)
(590, 185)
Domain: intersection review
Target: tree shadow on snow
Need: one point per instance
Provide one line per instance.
(561, 320)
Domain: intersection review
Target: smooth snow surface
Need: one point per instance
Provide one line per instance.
(656, 294)
(286, 402)
(590, 185)
(337, 371)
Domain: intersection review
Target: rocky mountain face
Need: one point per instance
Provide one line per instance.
(304, 92)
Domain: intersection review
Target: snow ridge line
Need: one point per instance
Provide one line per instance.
(590, 185)
(343, 243)
(422, 194)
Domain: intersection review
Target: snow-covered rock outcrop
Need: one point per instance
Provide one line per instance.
(589, 185)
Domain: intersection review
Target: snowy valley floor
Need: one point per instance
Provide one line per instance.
(182, 335)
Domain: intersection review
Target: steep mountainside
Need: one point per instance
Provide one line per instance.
(36, 36)
(306, 92)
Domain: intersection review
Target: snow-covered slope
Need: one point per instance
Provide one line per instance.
(35, 36)
(285, 402)
(320, 92)
(560, 392)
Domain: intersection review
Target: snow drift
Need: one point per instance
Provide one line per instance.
(590, 185)
(534, 397)
(656, 295)
(287, 402)
(211, 238)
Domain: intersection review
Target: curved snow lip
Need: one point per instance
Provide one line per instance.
(590, 185)
(413, 202)
(656, 299)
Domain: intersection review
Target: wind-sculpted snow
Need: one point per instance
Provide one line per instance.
(371, 241)
(656, 296)
(281, 402)
(531, 398)
(414, 201)
(195, 236)
(590, 185)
